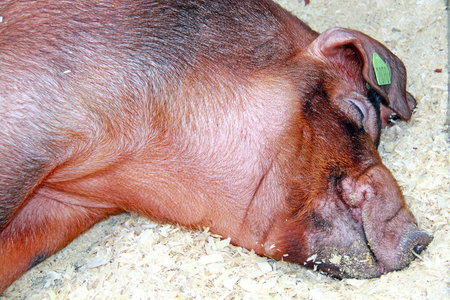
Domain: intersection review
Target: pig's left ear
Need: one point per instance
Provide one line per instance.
(381, 69)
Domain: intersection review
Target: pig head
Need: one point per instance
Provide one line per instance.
(347, 215)
(229, 114)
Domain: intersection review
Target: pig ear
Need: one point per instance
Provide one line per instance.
(381, 69)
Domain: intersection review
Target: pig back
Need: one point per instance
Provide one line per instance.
(106, 59)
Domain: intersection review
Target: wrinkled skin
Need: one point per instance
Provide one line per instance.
(229, 114)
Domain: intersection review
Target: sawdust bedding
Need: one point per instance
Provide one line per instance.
(129, 257)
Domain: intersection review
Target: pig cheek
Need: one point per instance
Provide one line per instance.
(290, 242)
(334, 241)
(299, 237)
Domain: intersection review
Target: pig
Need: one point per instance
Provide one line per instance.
(228, 114)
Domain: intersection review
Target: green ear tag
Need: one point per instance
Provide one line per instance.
(382, 70)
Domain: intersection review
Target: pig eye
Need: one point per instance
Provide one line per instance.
(358, 111)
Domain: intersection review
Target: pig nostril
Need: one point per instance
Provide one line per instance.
(416, 242)
(419, 248)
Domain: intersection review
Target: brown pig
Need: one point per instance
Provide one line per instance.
(231, 114)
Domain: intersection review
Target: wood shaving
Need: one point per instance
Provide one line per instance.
(129, 257)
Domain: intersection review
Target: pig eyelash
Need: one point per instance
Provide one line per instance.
(360, 108)
(357, 101)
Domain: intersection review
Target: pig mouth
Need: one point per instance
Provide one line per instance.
(349, 260)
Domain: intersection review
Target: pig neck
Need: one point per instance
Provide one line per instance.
(220, 170)
(210, 162)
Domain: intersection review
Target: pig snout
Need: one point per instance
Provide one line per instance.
(389, 227)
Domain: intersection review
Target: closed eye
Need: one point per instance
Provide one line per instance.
(359, 112)
(361, 115)
(360, 108)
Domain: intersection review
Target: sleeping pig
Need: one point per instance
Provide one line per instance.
(228, 114)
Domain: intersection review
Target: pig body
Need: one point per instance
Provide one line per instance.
(233, 115)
